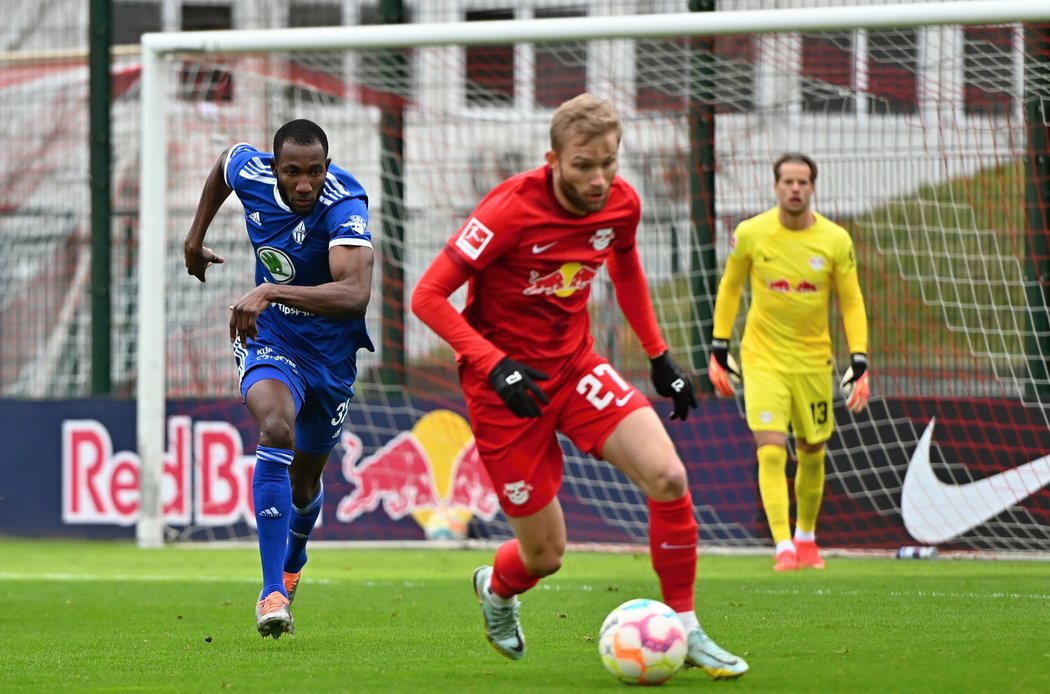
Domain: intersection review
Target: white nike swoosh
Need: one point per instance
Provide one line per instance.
(668, 545)
(620, 402)
(536, 248)
(935, 512)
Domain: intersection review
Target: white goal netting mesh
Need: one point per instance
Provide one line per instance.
(928, 141)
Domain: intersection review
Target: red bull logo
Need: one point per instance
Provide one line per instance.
(432, 472)
(781, 285)
(563, 282)
(805, 287)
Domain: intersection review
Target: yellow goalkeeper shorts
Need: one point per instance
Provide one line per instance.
(774, 400)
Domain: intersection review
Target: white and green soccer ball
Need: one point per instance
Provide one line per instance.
(642, 642)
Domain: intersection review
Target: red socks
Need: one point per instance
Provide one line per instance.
(509, 575)
(672, 546)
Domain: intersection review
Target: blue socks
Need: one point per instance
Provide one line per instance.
(302, 523)
(272, 496)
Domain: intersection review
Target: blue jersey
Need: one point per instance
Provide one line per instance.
(292, 249)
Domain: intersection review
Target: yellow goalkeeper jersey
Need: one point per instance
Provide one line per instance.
(792, 274)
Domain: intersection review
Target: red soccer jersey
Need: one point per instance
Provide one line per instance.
(533, 263)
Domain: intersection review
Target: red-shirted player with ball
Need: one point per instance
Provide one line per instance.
(528, 368)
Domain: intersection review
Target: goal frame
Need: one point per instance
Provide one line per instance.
(151, 393)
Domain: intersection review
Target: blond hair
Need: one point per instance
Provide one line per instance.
(585, 114)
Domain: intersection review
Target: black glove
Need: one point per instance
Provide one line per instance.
(513, 382)
(858, 364)
(672, 382)
(720, 352)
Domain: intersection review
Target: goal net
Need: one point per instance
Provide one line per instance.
(930, 133)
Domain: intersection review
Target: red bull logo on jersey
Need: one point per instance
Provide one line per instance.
(563, 282)
(804, 287)
(432, 473)
(783, 286)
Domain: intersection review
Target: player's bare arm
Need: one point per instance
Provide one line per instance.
(346, 296)
(199, 257)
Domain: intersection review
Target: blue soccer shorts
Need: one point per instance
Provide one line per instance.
(322, 392)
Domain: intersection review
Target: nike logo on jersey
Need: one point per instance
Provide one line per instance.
(934, 511)
(537, 248)
(620, 402)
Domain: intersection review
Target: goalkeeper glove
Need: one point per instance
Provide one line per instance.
(514, 382)
(722, 369)
(855, 384)
(672, 382)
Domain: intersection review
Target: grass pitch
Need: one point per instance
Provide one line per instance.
(108, 617)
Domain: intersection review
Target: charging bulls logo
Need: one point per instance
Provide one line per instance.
(563, 282)
(432, 472)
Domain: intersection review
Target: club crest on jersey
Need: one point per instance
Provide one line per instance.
(277, 263)
(602, 238)
(299, 233)
(817, 262)
(473, 238)
(517, 492)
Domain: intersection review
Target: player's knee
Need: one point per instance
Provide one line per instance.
(276, 432)
(544, 566)
(545, 562)
(304, 489)
(667, 483)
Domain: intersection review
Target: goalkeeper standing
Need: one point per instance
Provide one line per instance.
(793, 257)
(529, 253)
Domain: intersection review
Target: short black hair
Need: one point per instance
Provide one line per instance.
(299, 132)
(795, 158)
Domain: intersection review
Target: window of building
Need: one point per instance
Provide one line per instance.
(382, 72)
(316, 77)
(988, 70)
(561, 68)
(137, 17)
(490, 69)
(199, 81)
(735, 66)
(893, 65)
(827, 72)
(662, 73)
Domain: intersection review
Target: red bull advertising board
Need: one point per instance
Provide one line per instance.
(411, 472)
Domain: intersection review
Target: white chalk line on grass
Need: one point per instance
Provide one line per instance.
(819, 592)
(151, 578)
(995, 595)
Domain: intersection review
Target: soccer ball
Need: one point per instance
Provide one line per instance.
(642, 642)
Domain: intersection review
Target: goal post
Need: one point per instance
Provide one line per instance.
(922, 175)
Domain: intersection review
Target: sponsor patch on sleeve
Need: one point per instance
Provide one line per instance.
(473, 238)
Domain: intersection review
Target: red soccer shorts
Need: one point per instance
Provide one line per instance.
(523, 457)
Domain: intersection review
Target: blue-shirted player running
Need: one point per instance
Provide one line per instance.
(296, 334)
